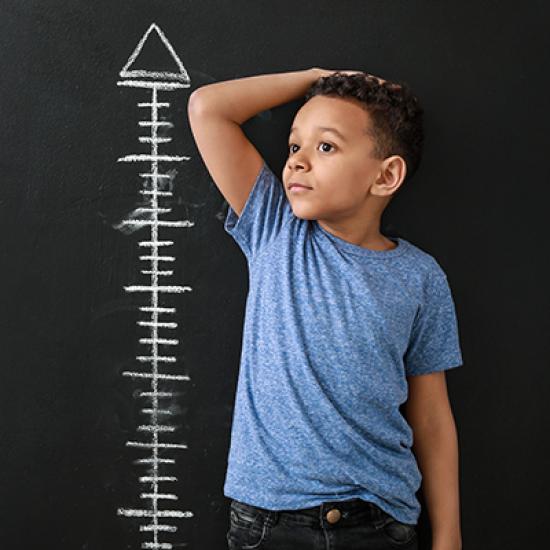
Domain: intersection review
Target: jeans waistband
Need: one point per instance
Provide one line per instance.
(328, 514)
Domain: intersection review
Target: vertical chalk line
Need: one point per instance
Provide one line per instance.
(150, 216)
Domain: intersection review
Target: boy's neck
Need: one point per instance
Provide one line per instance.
(368, 236)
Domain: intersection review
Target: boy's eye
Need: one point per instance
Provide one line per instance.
(321, 143)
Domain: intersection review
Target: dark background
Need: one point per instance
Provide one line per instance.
(478, 204)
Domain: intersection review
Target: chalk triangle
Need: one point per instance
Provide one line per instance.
(154, 48)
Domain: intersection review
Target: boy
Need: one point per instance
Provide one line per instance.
(343, 325)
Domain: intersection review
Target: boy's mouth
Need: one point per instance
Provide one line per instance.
(296, 185)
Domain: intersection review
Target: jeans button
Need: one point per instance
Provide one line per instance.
(333, 515)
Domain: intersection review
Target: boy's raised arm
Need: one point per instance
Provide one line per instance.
(216, 112)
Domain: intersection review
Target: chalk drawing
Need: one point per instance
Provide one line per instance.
(157, 519)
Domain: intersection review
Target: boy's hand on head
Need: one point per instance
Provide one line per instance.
(328, 72)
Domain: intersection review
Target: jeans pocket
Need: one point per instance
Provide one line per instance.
(248, 527)
(399, 534)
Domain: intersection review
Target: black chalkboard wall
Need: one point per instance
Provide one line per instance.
(77, 268)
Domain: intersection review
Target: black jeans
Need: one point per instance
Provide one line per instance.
(345, 525)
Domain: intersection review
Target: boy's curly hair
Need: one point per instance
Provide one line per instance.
(395, 112)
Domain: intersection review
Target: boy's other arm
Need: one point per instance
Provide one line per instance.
(435, 445)
(216, 112)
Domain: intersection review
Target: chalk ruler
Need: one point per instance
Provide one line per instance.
(158, 519)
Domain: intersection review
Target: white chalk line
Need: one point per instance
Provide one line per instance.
(158, 288)
(155, 85)
(155, 461)
(155, 243)
(157, 223)
(160, 358)
(155, 210)
(149, 479)
(158, 527)
(166, 324)
(145, 139)
(156, 177)
(155, 496)
(147, 104)
(156, 376)
(156, 545)
(157, 411)
(155, 123)
(165, 272)
(158, 258)
(158, 75)
(165, 341)
(158, 309)
(156, 193)
(137, 513)
(156, 428)
(147, 158)
(155, 446)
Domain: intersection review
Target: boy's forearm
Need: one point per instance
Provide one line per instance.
(436, 450)
(242, 98)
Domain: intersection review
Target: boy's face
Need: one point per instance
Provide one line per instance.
(345, 180)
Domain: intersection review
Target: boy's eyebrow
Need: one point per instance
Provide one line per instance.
(325, 129)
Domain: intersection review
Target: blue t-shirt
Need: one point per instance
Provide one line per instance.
(331, 330)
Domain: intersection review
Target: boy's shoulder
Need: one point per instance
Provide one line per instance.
(423, 264)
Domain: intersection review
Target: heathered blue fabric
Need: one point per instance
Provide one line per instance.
(331, 330)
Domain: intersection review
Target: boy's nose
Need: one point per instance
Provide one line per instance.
(294, 163)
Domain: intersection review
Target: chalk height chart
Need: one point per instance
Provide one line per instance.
(159, 511)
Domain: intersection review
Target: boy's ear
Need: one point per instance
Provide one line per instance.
(392, 174)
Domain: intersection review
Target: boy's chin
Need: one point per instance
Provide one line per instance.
(304, 214)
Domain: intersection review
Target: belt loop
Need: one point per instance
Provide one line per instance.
(272, 517)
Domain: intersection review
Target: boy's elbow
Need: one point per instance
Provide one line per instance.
(200, 101)
(195, 102)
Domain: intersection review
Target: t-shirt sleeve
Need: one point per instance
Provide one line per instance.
(434, 341)
(264, 214)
